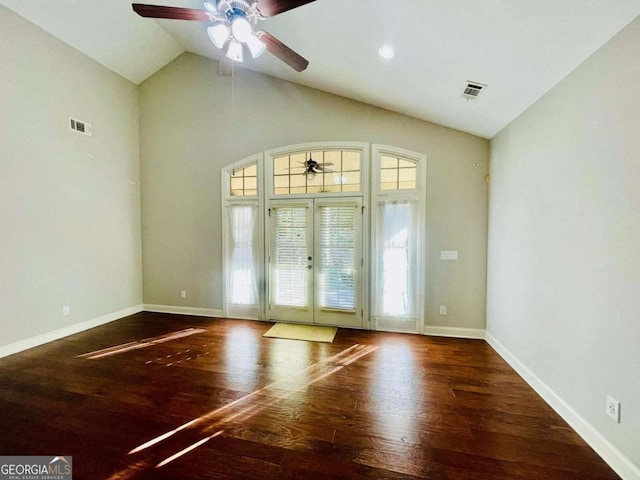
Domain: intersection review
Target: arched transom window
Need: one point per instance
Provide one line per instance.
(320, 171)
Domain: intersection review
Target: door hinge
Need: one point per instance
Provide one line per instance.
(362, 313)
(362, 212)
(362, 262)
(269, 212)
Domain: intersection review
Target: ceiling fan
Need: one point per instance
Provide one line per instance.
(232, 28)
(311, 168)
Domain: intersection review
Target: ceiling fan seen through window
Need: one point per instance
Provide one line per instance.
(232, 28)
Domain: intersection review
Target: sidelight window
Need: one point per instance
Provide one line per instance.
(398, 243)
(242, 225)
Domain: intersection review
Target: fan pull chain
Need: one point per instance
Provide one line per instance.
(233, 106)
(233, 94)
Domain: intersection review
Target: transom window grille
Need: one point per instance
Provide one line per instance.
(397, 173)
(244, 182)
(339, 172)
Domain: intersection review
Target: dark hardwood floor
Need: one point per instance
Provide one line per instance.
(225, 402)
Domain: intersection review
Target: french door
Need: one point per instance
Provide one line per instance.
(315, 261)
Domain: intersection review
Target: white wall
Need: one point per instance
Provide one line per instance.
(564, 239)
(69, 204)
(187, 136)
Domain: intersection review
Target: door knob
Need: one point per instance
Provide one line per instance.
(309, 258)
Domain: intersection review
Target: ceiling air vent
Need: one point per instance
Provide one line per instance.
(472, 89)
(80, 126)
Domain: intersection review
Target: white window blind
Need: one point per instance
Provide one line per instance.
(243, 288)
(290, 260)
(396, 270)
(338, 257)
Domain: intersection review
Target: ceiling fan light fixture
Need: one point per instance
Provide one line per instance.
(234, 52)
(241, 28)
(231, 23)
(218, 34)
(255, 45)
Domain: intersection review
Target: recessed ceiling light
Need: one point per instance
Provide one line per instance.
(386, 52)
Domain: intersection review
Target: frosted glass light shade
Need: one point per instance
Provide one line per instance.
(234, 51)
(255, 45)
(218, 34)
(241, 28)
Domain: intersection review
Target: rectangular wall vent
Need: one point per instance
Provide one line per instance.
(80, 126)
(473, 89)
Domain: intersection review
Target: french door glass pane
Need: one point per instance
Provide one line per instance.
(338, 262)
(291, 256)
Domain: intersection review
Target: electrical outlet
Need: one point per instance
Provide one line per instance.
(443, 309)
(66, 310)
(183, 294)
(613, 408)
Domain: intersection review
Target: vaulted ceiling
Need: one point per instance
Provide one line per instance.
(518, 48)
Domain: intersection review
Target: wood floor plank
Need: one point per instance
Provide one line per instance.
(226, 403)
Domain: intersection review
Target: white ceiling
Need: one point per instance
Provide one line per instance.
(520, 48)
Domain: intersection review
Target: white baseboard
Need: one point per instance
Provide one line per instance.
(456, 332)
(198, 312)
(609, 453)
(28, 343)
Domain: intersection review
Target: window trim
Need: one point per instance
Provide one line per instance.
(420, 160)
(271, 155)
(227, 173)
(371, 195)
(229, 310)
(418, 195)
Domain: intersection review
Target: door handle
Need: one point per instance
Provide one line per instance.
(309, 267)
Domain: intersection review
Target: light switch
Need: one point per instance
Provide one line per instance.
(449, 255)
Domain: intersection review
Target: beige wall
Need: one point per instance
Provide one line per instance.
(564, 264)
(188, 134)
(70, 232)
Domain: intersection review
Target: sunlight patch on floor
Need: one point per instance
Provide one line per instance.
(147, 342)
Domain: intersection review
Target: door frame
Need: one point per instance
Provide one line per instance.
(313, 313)
(369, 192)
(291, 314)
(269, 198)
(331, 316)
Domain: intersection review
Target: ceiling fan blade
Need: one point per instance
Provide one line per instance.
(271, 8)
(174, 13)
(284, 53)
(225, 64)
